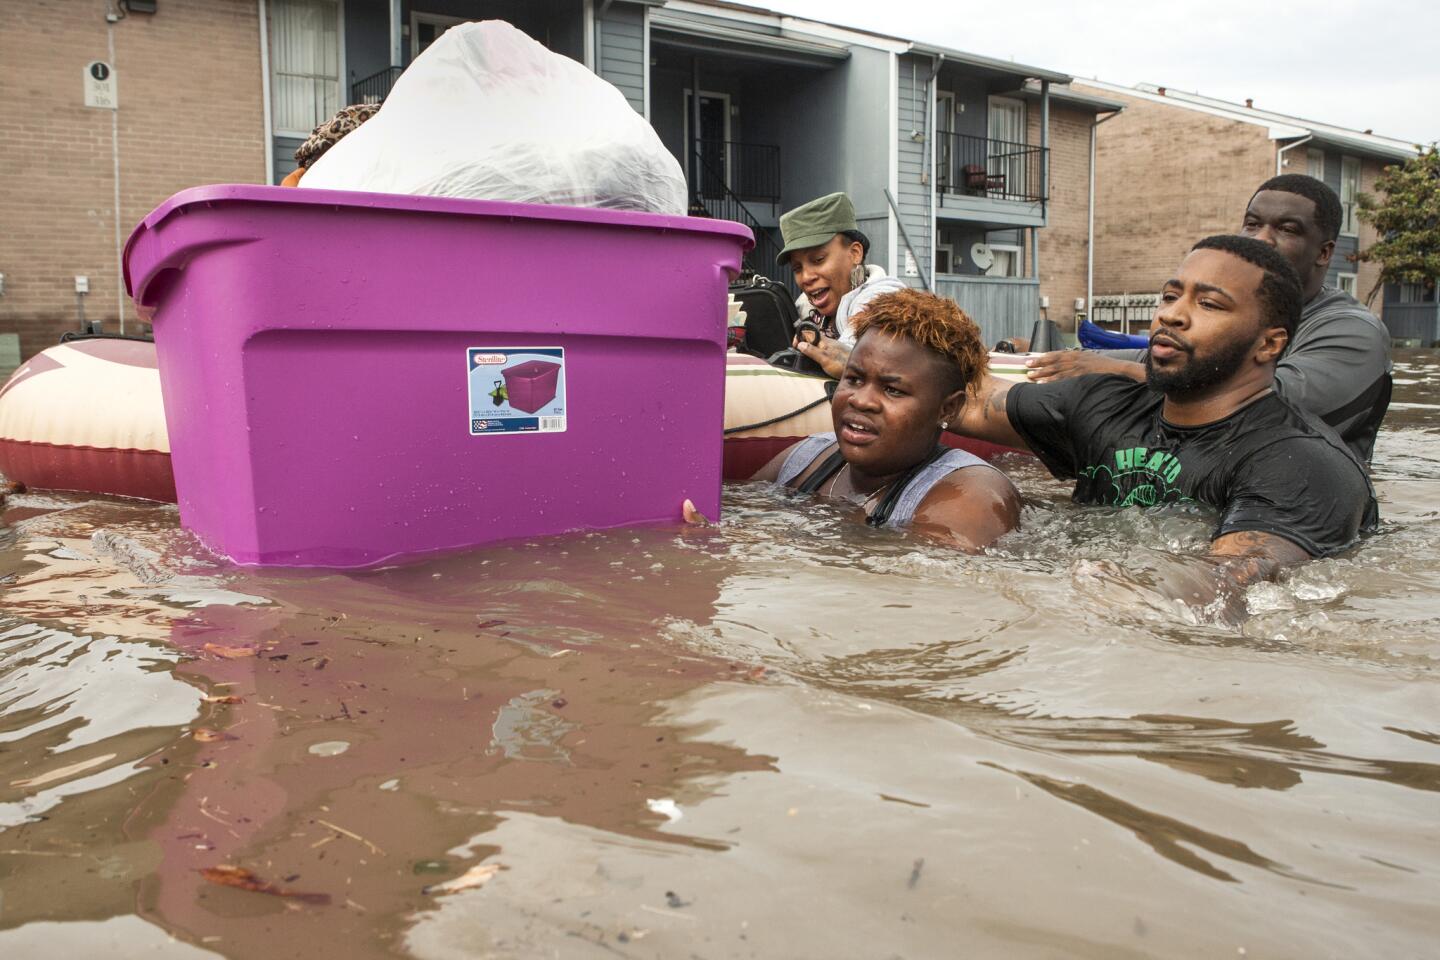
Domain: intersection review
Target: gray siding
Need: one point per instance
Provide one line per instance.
(285, 148)
(1413, 321)
(1000, 307)
(859, 125)
(1345, 247)
(915, 192)
(620, 51)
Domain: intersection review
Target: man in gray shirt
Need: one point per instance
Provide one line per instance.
(1337, 366)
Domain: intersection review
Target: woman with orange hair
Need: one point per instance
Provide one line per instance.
(916, 361)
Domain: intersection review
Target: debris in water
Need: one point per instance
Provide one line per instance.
(353, 836)
(60, 773)
(666, 807)
(329, 748)
(391, 785)
(227, 698)
(229, 653)
(487, 624)
(226, 875)
(206, 735)
(915, 873)
(476, 876)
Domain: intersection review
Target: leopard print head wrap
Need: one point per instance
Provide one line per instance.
(330, 132)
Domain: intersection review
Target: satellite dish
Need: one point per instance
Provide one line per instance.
(982, 256)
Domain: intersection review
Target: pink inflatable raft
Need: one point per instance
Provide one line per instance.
(87, 416)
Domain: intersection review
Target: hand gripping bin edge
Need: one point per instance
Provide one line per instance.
(312, 343)
(531, 385)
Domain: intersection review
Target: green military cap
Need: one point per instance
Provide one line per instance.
(815, 223)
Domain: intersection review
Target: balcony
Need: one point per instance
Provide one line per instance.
(730, 181)
(996, 181)
(376, 87)
(750, 171)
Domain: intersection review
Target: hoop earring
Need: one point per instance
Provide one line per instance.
(857, 275)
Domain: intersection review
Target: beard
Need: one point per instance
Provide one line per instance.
(1198, 374)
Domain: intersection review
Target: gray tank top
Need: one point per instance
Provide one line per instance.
(808, 450)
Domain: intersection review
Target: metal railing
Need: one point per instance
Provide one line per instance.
(723, 204)
(376, 87)
(981, 167)
(751, 171)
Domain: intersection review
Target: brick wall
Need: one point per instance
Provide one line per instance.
(1367, 273)
(1064, 240)
(191, 112)
(1166, 177)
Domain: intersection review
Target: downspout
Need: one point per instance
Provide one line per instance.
(694, 145)
(1044, 177)
(115, 161)
(1280, 154)
(1090, 228)
(397, 44)
(932, 100)
(265, 94)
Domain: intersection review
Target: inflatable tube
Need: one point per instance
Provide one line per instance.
(1093, 337)
(767, 410)
(86, 415)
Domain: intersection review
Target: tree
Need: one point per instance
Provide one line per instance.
(1407, 218)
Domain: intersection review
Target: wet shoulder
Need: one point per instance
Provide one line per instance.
(1333, 308)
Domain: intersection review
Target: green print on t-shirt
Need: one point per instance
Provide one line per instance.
(1139, 477)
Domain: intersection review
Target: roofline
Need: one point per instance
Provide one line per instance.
(882, 41)
(783, 44)
(1278, 126)
(991, 63)
(1067, 94)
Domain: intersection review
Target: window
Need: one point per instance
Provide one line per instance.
(425, 29)
(1006, 146)
(1006, 261)
(1315, 163)
(305, 61)
(1346, 282)
(1412, 293)
(1349, 190)
(944, 259)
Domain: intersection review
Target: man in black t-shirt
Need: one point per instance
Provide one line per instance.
(1207, 426)
(1337, 365)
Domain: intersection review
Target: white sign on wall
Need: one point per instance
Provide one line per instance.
(912, 269)
(100, 86)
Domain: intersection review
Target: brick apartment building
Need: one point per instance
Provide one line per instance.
(1175, 167)
(982, 193)
(188, 82)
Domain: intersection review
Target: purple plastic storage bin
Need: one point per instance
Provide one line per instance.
(311, 343)
(531, 385)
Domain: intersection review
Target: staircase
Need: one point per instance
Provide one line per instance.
(718, 201)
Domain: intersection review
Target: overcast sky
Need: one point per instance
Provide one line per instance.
(1363, 63)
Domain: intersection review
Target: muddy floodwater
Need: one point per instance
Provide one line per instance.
(788, 736)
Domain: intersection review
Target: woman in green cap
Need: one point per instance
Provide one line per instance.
(826, 250)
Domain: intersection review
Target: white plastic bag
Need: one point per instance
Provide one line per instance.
(487, 112)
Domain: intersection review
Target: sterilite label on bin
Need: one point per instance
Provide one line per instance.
(516, 390)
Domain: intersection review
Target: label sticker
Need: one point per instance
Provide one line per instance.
(516, 390)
